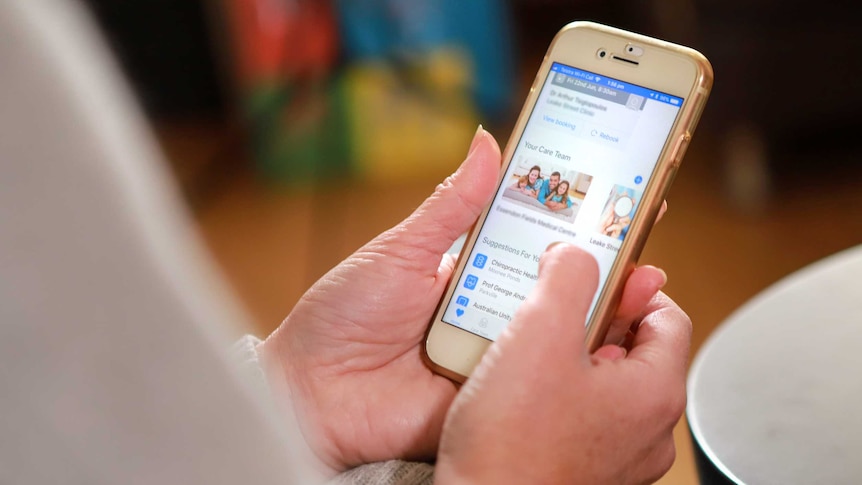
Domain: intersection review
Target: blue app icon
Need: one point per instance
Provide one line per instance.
(480, 260)
(470, 282)
(639, 179)
(462, 300)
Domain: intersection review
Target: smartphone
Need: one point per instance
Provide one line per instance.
(593, 153)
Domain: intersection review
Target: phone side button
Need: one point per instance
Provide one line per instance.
(681, 147)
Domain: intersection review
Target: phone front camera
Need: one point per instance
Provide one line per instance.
(602, 53)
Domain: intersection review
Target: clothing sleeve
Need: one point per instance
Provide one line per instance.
(540, 190)
(393, 472)
(245, 354)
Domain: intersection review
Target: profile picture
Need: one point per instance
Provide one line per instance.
(550, 190)
(618, 212)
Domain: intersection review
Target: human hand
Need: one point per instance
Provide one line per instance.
(347, 360)
(540, 409)
(555, 206)
(349, 354)
(606, 220)
(615, 229)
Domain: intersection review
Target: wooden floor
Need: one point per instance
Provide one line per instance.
(273, 243)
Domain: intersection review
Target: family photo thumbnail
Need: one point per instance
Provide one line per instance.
(549, 190)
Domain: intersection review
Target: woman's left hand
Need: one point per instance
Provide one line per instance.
(349, 353)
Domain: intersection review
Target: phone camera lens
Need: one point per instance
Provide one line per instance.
(602, 53)
(630, 49)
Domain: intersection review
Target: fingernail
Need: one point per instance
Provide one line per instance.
(663, 278)
(611, 353)
(553, 245)
(624, 353)
(476, 139)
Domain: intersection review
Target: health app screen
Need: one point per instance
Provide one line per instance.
(577, 175)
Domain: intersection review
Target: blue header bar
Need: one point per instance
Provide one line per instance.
(617, 85)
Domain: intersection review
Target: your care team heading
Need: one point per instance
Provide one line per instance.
(547, 151)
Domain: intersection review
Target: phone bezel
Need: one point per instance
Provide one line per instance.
(663, 66)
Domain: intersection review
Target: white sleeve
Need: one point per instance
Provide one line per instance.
(245, 352)
(114, 323)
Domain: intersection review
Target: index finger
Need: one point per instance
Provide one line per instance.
(661, 211)
(551, 320)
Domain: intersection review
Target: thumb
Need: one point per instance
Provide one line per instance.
(453, 207)
(550, 323)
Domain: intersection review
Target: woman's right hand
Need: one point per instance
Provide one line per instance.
(540, 409)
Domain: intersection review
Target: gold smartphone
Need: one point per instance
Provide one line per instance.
(595, 148)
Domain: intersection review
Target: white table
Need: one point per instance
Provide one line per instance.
(775, 394)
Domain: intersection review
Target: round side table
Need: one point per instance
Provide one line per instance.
(775, 394)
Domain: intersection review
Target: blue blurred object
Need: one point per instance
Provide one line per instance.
(397, 31)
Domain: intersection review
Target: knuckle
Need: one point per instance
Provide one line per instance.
(677, 404)
(666, 406)
(656, 462)
(674, 312)
(666, 456)
(449, 185)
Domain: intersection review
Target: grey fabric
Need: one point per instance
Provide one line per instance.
(114, 326)
(394, 472)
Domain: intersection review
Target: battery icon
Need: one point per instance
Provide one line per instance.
(674, 101)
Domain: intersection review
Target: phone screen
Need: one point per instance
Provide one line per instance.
(589, 148)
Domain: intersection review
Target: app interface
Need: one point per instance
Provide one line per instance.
(577, 175)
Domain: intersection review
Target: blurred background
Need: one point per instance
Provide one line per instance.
(300, 129)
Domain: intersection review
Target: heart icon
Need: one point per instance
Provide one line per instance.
(459, 312)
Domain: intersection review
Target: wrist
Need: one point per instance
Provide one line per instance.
(463, 474)
(289, 402)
